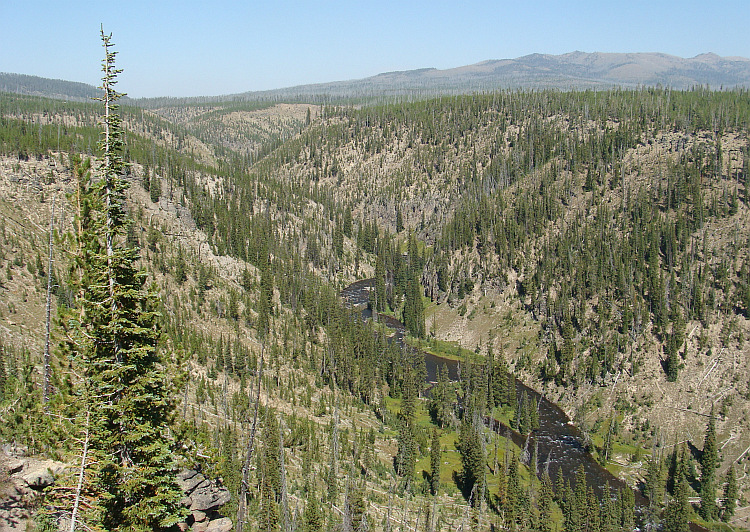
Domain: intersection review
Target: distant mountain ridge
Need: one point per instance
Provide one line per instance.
(570, 71)
(50, 88)
(574, 70)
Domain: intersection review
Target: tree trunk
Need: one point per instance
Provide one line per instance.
(49, 306)
(241, 510)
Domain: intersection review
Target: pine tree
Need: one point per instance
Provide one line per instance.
(357, 505)
(709, 462)
(593, 513)
(413, 307)
(265, 303)
(513, 493)
(610, 514)
(544, 523)
(407, 447)
(472, 458)
(379, 293)
(269, 518)
(312, 517)
(435, 456)
(576, 515)
(729, 500)
(676, 514)
(112, 338)
(626, 499)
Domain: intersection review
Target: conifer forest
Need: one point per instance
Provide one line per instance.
(509, 310)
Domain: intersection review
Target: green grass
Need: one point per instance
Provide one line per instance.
(443, 349)
(504, 414)
(450, 460)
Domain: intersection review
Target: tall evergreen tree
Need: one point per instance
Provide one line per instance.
(729, 500)
(544, 522)
(379, 293)
(407, 446)
(709, 463)
(512, 493)
(626, 499)
(435, 455)
(312, 517)
(472, 458)
(413, 306)
(113, 340)
(676, 515)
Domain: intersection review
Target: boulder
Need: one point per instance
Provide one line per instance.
(189, 480)
(39, 475)
(14, 465)
(209, 497)
(223, 524)
(200, 527)
(203, 497)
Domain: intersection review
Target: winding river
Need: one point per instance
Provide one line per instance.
(559, 442)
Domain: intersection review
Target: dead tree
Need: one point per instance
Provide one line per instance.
(241, 504)
(49, 307)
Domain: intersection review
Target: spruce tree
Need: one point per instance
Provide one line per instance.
(407, 447)
(544, 523)
(626, 499)
(513, 493)
(472, 458)
(709, 462)
(729, 500)
(676, 514)
(312, 518)
(379, 293)
(435, 462)
(112, 340)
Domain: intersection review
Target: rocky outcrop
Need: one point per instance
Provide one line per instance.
(22, 480)
(203, 497)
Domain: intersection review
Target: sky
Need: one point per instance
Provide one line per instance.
(208, 48)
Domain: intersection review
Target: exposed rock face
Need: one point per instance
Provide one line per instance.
(22, 480)
(40, 474)
(204, 497)
(223, 524)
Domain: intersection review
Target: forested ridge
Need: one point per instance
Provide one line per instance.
(592, 244)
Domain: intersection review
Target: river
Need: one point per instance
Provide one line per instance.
(558, 441)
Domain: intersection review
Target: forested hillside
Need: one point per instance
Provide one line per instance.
(592, 245)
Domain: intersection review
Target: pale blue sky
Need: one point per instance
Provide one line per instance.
(193, 48)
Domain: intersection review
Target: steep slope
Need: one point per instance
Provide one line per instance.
(596, 241)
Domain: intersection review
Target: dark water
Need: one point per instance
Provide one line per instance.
(559, 443)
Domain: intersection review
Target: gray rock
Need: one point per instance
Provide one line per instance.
(223, 524)
(209, 497)
(39, 475)
(189, 483)
(14, 466)
(186, 474)
(199, 527)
